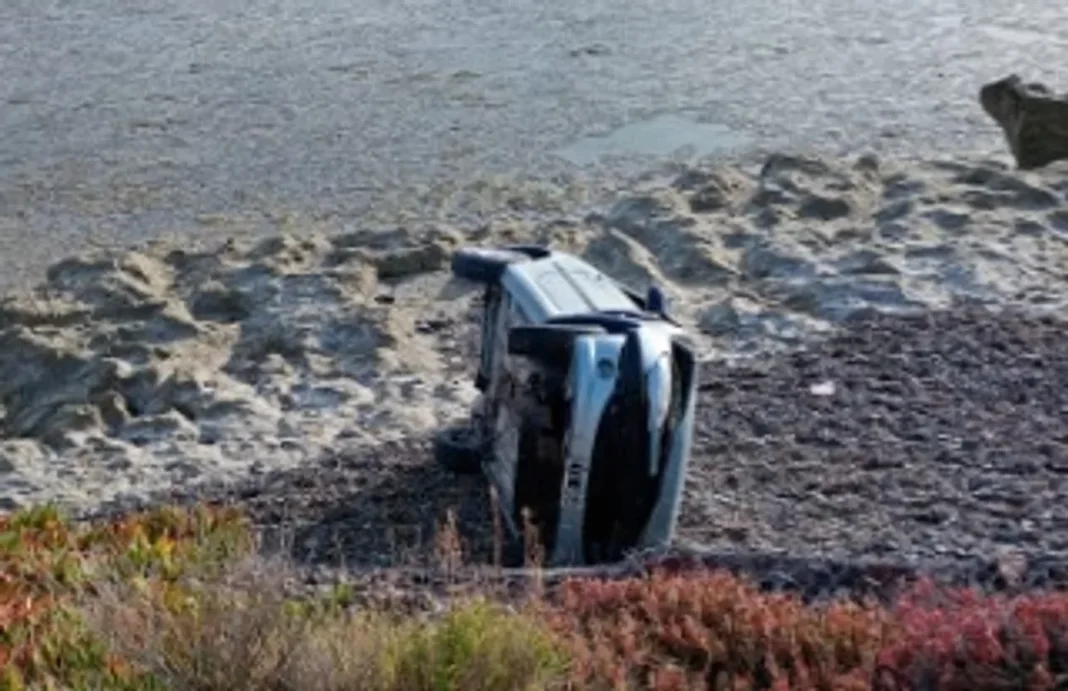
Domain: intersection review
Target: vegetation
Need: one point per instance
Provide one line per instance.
(175, 599)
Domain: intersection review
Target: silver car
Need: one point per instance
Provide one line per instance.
(585, 421)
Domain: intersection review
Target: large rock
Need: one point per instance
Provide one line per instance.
(1033, 118)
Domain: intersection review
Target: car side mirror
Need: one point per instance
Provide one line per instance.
(654, 300)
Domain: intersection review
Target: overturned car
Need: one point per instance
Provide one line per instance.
(586, 416)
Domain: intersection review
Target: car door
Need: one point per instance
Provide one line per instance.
(491, 300)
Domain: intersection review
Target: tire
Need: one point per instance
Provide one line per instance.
(550, 343)
(459, 450)
(484, 265)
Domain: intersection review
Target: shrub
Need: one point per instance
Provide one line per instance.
(713, 631)
(243, 633)
(964, 640)
(47, 563)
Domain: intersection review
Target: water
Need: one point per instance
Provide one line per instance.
(124, 119)
(665, 136)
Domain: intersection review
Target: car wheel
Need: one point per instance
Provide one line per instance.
(484, 265)
(550, 343)
(459, 449)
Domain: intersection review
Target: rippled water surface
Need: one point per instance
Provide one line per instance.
(122, 119)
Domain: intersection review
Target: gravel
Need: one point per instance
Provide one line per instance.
(944, 437)
(930, 443)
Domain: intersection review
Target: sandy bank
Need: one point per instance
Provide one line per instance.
(132, 372)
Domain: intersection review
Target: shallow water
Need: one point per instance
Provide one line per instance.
(665, 136)
(123, 119)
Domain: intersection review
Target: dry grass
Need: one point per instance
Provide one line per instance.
(243, 632)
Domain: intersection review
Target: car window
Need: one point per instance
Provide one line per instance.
(511, 314)
(516, 314)
(501, 321)
(490, 313)
(500, 313)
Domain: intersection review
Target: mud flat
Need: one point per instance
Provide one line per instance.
(908, 401)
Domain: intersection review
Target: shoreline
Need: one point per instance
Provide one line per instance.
(38, 226)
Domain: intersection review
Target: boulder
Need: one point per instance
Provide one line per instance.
(1033, 118)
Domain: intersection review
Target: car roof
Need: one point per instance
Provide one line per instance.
(561, 284)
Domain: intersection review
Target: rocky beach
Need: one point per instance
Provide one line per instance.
(883, 369)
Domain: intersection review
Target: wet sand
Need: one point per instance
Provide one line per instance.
(121, 122)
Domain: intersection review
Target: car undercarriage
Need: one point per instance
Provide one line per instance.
(586, 412)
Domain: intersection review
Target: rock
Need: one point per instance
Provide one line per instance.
(1033, 119)
(151, 428)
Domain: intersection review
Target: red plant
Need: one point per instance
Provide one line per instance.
(964, 640)
(714, 631)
